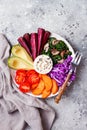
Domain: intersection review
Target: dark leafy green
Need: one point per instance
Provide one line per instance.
(60, 46)
(46, 53)
(56, 58)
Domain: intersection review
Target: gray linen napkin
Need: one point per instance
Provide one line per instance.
(18, 110)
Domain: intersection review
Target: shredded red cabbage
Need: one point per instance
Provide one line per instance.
(60, 71)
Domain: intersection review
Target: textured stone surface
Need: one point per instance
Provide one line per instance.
(69, 19)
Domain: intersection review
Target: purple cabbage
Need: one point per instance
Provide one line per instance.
(60, 71)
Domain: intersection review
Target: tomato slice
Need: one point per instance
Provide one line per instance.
(21, 72)
(20, 79)
(32, 77)
(25, 87)
(20, 76)
(29, 72)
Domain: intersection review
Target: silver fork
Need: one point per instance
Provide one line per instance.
(75, 62)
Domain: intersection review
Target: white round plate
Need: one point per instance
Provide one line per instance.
(70, 48)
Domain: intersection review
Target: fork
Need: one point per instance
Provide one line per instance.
(75, 62)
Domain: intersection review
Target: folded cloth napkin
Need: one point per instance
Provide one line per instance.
(18, 110)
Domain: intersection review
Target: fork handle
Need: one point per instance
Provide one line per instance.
(63, 88)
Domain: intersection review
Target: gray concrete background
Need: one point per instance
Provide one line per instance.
(67, 18)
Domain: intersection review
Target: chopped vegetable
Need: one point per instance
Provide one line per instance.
(34, 44)
(61, 46)
(56, 58)
(47, 82)
(20, 59)
(54, 52)
(54, 87)
(20, 79)
(27, 36)
(39, 89)
(16, 63)
(27, 80)
(51, 42)
(41, 32)
(21, 52)
(32, 77)
(60, 71)
(57, 50)
(24, 87)
(22, 42)
(45, 39)
(21, 72)
(20, 76)
(45, 93)
(38, 84)
(33, 86)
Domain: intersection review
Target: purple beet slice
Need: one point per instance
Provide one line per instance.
(34, 44)
(44, 40)
(26, 37)
(23, 44)
(41, 32)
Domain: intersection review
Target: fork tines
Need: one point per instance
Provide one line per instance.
(77, 58)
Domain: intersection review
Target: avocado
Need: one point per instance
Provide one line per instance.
(18, 63)
(20, 52)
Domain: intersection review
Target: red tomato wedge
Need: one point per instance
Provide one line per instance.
(20, 76)
(29, 72)
(25, 87)
(32, 77)
(20, 79)
(27, 79)
(21, 72)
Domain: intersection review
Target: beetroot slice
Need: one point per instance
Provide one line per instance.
(26, 37)
(23, 44)
(44, 40)
(34, 44)
(41, 32)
